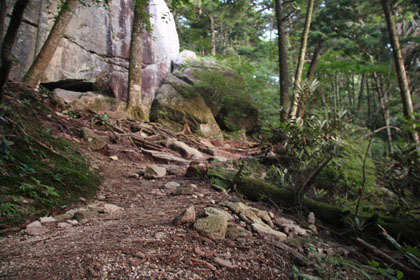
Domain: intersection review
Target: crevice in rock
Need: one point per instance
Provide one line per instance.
(70, 84)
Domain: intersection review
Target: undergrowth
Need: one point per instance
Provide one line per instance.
(39, 172)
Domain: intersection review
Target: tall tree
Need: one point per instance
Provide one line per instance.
(298, 95)
(40, 64)
(9, 41)
(135, 108)
(283, 67)
(400, 69)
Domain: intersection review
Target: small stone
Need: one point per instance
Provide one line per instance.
(82, 199)
(46, 220)
(266, 230)
(183, 191)
(225, 263)
(199, 252)
(111, 208)
(237, 207)
(313, 229)
(94, 141)
(36, 228)
(311, 218)
(194, 196)
(212, 226)
(101, 197)
(172, 185)
(218, 212)
(295, 228)
(187, 216)
(280, 221)
(271, 214)
(157, 192)
(113, 157)
(154, 172)
(212, 201)
(73, 222)
(263, 215)
(185, 150)
(64, 225)
(160, 235)
(133, 175)
(234, 232)
(194, 186)
(200, 195)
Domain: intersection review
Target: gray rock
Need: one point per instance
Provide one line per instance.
(236, 207)
(183, 191)
(36, 228)
(263, 215)
(73, 222)
(234, 232)
(67, 95)
(218, 212)
(64, 225)
(185, 57)
(93, 140)
(46, 220)
(266, 230)
(96, 45)
(160, 235)
(101, 197)
(212, 226)
(111, 208)
(185, 150)
(187, 216)
(154, 172)
(172, 185)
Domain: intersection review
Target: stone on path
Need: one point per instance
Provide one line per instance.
(154, 172)
(94, 141)
(64, 225)
(187, 216)
(212, 226)
(218, 212)
(266, 230)
(111, 208)
(234, 231)
(183, 191)
(46, 220)
(36, 228)
(172, 185)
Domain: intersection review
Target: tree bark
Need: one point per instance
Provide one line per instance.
(283, 67)
(134, 102)
(3, 9)
(212, 36)
(361, 92)
(400, 69)
(314, 61)
(301, 60)
(8, 42)
(37, 70)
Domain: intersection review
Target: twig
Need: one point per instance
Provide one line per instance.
(407, 271)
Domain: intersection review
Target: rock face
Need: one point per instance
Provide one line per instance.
(96, 45)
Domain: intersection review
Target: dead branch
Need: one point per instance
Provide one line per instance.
(378, 130)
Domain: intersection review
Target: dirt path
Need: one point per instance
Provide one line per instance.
(138, 242)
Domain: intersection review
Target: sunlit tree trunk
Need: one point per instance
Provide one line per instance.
(283, 67)
(135, 108)
(314, 61)
(301, 60)
(8, 42)
(212, 36)
(400, 69)
(361, 93)
(43, 59)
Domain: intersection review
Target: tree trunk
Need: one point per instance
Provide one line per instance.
(400, 69)
(8, 42)
(314, 61)
(37, 70)
(361, 92)
(369, 116)
(283, 67)
(3, 9)
(384, 110)
(301, 60)
(212, 36)
(134, 102)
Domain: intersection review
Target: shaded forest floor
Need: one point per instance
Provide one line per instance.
(126, 230)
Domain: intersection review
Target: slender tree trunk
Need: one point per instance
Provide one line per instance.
(368, 96)
(135, 108)
(212, 36)
(301, 60)
(283, 67)
(314, 61)
(8, 42)
(361, 93)
(382, 95)
(400, 69)
(37, 70)
(3, 9)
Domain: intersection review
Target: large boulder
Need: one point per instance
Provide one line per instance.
(174, 108)
(96, 46)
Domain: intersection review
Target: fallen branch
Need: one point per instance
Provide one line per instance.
(407, 271)
(377, 130)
